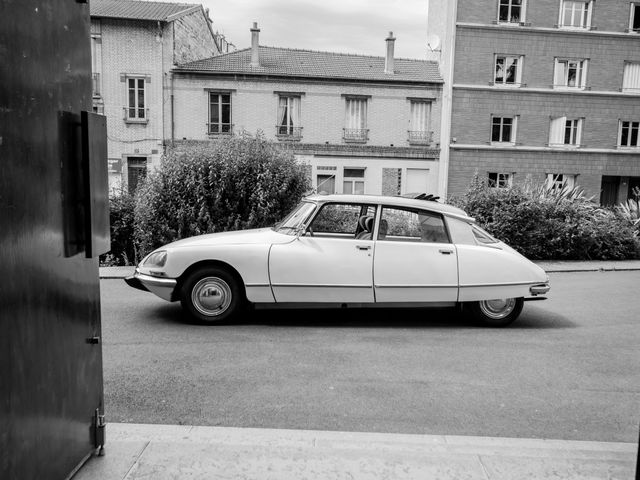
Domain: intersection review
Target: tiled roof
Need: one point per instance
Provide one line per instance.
(306, 63)
(137, 10)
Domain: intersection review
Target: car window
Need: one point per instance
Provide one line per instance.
(297, 216)
(342, 220)
(409, 225)
(482, 236)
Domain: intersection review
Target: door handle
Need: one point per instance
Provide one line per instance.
(445, 251)
(363, 247)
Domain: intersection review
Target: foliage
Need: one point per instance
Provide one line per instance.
(630, 211)
(122, 252)
(545, 223)
(233, 184)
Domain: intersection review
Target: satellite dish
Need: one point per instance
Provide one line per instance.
(433, 42)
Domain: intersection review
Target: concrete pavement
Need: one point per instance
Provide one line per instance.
(162, 452)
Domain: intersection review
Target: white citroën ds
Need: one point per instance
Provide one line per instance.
(349, 251)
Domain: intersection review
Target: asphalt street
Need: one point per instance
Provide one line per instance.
(569, 368)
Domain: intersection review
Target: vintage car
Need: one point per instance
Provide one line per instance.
(347, 251)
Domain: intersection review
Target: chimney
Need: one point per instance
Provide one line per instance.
(388, 63)
(255, 45)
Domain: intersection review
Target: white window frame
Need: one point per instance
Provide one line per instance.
(514, 126)
(633, 11)
(326, 171)
(581, 65)
(629, 135)
(588, 15)
(352, 180)
(220, 125)
(291, 124)
(502, 180)
(631, 77)
(519, 64)
(557, 180)
(355, 122)
(141, 113)
(523, 9)
(558, 132)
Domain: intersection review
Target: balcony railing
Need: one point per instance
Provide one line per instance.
(135, 115)
(355, 135)
(220, 128)
(96, 84)
(419, 137)
(287, 133)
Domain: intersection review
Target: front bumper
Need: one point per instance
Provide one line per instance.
(162, 287)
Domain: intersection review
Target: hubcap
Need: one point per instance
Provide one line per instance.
(211, 296)
(499, 308)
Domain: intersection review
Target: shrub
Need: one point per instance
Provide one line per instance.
(542, 223)
(121, 205)
(236, 183)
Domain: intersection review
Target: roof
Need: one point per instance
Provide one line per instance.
(313, 64)
(137, 10)
(392, 201)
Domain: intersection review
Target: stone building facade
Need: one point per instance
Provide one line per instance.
(541, 89)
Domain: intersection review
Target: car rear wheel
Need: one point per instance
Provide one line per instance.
(497, 312)
(211, 295)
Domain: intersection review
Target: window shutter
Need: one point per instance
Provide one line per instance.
(559, 77)
(556, 131)
(631, 77)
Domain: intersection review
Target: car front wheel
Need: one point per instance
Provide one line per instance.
(498, 312)
(211, 295)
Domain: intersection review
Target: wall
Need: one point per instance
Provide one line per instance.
(192, 39)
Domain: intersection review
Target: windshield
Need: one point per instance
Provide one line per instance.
(296, 218)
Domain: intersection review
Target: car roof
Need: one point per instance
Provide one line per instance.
(392, 201)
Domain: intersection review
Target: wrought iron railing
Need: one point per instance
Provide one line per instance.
(420, 137)
(220, 128)
(135, 114)
(284, 132)
(355, 134)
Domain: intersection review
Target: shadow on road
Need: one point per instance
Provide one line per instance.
(422, 318)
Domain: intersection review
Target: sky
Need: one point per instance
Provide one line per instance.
(343, 26)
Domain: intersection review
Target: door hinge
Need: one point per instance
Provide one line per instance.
(99, 425)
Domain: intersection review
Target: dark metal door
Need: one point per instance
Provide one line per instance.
(50, 350)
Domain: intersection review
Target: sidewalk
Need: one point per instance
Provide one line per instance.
(551, 266)
(162, 452)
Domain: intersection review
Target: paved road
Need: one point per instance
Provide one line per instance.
(567, 369)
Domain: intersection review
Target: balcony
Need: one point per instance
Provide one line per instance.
(355, 135)
(95, 77)
(214, 129)
(419, 137)
(288, 134)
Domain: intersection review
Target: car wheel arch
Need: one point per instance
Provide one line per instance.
(204, 264)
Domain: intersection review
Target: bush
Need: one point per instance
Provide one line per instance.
(550, 224)
(234, 184)
(121, 205)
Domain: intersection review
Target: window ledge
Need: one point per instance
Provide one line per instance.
(139, 121)
(288, 138)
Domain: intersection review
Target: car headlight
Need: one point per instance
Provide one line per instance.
(156, 259)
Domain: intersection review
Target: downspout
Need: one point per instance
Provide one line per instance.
(171, 106)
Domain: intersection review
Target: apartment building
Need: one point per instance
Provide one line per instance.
(362, 124)
(540, 89)
(134, 45)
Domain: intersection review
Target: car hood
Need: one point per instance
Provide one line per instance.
(241, 237)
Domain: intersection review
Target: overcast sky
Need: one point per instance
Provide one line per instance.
(345, 26)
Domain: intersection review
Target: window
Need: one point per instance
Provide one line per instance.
(419, 122)
(353, 181)
(136, 110)
(326, 181)
(570, 73)
(409, 225)
(575, 14)
(136, 171)
(356, 120)
(508, 70)
(289, 116)
(634, 18)
(564, 131)
(631, 78)
(557, 181)
(499, 180)
(341, 220)
(510, 11)
(629, 134)
(503, 130)
(220, 113)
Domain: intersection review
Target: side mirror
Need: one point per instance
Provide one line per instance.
(301, 230)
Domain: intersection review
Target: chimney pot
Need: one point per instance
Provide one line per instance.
(255, 45)
(389, 60)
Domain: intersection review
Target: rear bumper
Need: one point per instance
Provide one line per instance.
(162, 287)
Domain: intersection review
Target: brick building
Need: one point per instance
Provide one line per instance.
(134, 45)
(363, 124)
(546, 89)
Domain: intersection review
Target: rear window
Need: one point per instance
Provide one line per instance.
(482, 236)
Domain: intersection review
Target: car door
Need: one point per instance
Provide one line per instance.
(414, 259)
(327, 264)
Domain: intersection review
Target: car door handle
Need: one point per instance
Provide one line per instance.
(445, 251)
(363, 247)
